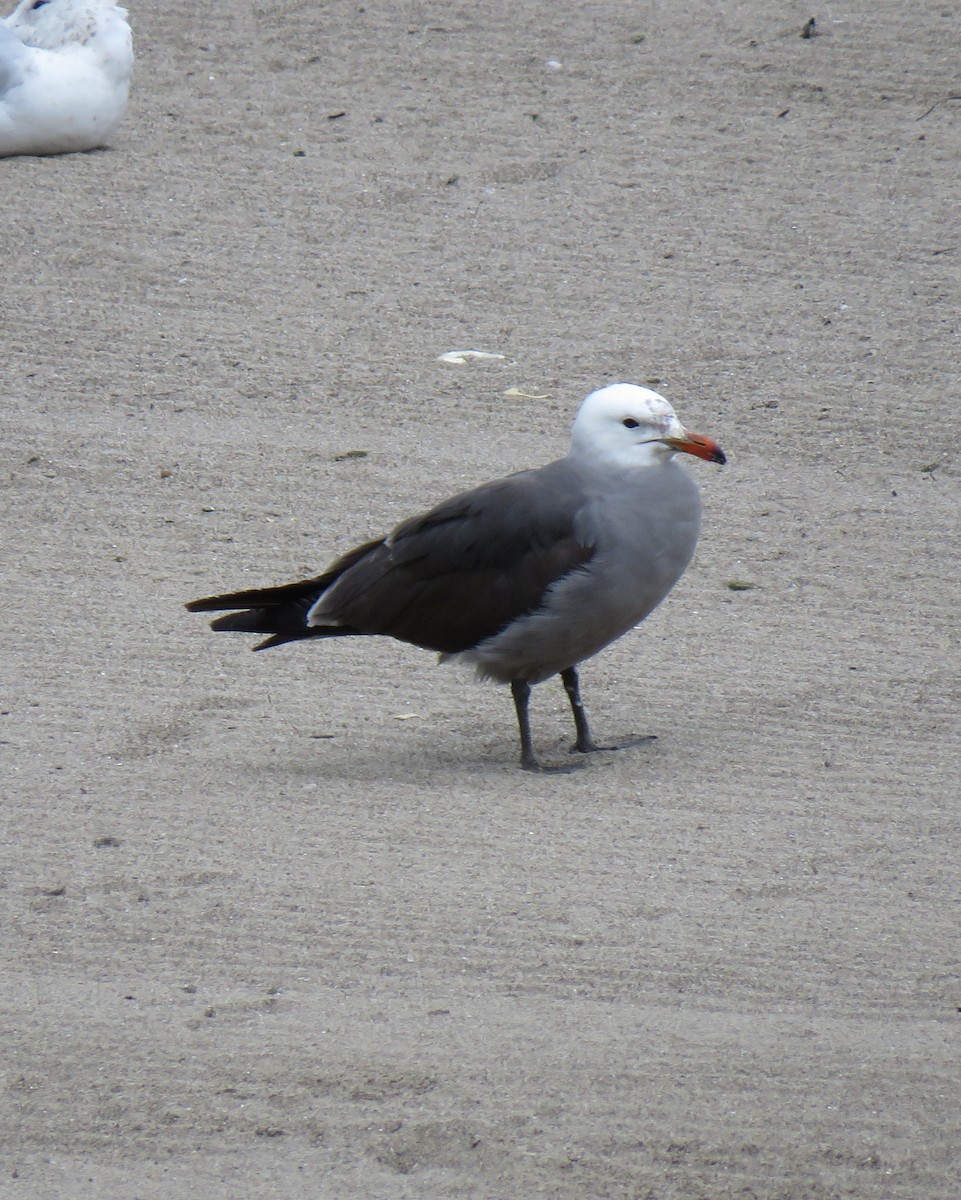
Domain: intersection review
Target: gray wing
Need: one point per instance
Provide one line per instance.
(459, 574)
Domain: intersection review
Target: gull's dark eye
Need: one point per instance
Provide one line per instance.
(630, 423)
(38, 4)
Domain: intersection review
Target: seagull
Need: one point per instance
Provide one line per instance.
(64, 75)
(522, 578)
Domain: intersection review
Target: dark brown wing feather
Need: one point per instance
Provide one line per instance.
(445, 580)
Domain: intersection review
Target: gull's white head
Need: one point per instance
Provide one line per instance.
(630, 426)
(53, 24)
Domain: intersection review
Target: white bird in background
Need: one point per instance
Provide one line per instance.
(64, 75)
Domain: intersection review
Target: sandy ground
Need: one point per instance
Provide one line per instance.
(261, 936)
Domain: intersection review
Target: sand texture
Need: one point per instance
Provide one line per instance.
(295, 924)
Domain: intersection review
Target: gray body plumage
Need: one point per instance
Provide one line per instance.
(638, 533)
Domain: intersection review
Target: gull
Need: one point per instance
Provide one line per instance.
(522, 578)
(64, 75)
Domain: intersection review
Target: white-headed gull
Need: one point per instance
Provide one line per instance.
(525, 577)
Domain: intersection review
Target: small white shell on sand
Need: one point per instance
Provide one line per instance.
(517, 394)
(462, 356)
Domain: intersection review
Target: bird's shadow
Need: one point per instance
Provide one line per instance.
(339, 757)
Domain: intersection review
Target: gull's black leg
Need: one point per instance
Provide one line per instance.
(521, 691)
(585, 743)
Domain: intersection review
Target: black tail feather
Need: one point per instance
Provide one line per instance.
(280, 612)
(269, 597)
(284, 622)
(251, 620)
